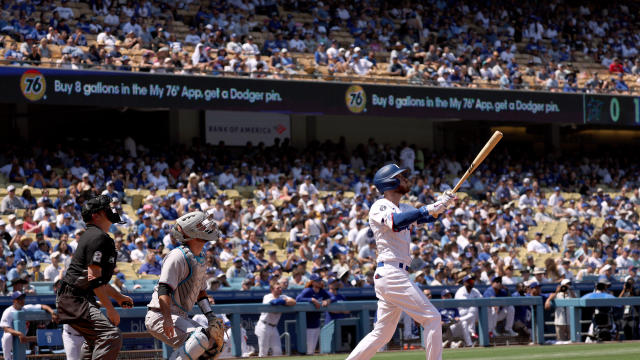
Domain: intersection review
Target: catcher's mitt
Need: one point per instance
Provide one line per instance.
(216, 337)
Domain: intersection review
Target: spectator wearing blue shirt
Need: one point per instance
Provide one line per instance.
(315, 294)
(42, 252)
(619, 83)
(206, 186)
(340, 247)
(499, 313)
(150, 266)
(19, 270)
(67, 227)
(52, 232)
(23, 252)
(320, 56)
(247, 261)
(155, 238)
(34, 245)
(146, 226)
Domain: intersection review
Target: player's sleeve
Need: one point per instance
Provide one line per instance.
(173, 269)
(304, 296)
(96, 251)
(32, 307)
(382, 215)
(266, 299)
(6, 318)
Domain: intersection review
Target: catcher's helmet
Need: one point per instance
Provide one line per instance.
(384, 179)
(195, 225)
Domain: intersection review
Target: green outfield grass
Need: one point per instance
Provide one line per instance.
(608, 351)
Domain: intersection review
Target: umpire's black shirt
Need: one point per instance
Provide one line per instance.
(95, 247)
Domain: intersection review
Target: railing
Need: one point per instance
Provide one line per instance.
(576, 305)
(363, 308)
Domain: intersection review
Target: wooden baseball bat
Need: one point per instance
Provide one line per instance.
(479, 158)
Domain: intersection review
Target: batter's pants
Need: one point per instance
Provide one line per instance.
(397, 293)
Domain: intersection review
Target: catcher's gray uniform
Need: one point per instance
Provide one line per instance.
(185, 274)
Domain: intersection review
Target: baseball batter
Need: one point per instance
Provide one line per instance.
(390, 222)
(182, 284)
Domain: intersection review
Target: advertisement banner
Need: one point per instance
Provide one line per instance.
(143, 90)
(237, 128)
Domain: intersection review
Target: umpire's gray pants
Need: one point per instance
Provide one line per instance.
(102, 339)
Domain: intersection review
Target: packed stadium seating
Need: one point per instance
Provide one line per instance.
(467, 47)
(243, 196)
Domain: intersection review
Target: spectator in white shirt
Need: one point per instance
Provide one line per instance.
(297, 45)
(192, 37)
(226, 180)
(139, 254)
(537, 246)
(132, 26)
(253, 63)
(342, 13)
(408, 156)
(53, 270)
(333, 50)
(112, 19)
(361, 65)
(527, 199)
(308, 187)
(64, 12)
(507, 55)
(249, 48)
(553, 199)
(233, 46)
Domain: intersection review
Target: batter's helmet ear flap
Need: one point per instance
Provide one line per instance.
(384, 179)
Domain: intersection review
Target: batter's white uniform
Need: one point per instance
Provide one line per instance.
(468, 315)
(267, 330)
(394, 289)
(8, 316)
(72, 341)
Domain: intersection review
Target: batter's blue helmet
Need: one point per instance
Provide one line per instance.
(384, 179)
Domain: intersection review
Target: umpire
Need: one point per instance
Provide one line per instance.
(88, 276)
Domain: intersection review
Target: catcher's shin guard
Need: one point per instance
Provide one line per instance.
(194, 347)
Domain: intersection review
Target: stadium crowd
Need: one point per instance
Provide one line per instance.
(517, 220)
(547, 45)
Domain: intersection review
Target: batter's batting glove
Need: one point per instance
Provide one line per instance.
(434, 209)
(448, 198)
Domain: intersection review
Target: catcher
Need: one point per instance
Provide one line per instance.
(182, 284)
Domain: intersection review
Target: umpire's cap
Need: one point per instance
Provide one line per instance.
(384, 179)
(98, 203)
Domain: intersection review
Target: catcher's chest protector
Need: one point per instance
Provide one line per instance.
(186, 293)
